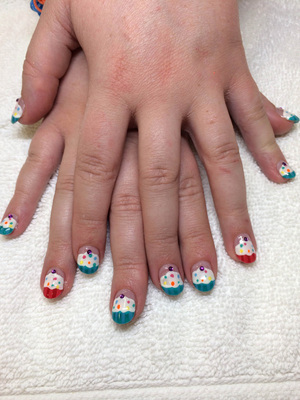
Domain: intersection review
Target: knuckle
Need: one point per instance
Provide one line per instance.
(224, 153)
(40, 158)
(125, 203)
(189, 187)
(255, 113)
(30, 68)
(65, 184)
(132, 265)
(159, 175)
(162, 238)
(91, 165)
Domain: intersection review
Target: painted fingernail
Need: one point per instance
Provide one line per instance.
(124, 306)
(170, 280)
(244, 249)
(18, 110)
(54, 284)
(203, 276)
(88, 259)
(8, 225)
(287, 115)
(285, 170)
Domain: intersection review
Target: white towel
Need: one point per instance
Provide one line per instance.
(240, 342)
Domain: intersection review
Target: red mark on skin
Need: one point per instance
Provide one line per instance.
(158, 8)
(118, 79)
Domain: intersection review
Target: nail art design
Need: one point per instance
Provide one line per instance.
(54, 284)
(18, 110)
(170, 280)
(244, 249)
(287, 115)
(203, 277)
(88, 261)
(123, 309)
(286, 171)
(8, 225)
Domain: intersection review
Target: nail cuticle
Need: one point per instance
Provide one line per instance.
(124, 306)
(53, 284)
(203, 276)
(285, 170)
(18, 110)
(244, 249)
(170, 280)
(8, 225)
(88, 259)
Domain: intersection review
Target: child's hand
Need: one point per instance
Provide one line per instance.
(162, 67)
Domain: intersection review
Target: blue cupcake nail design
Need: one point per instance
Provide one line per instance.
(18, 111)
(203, 279)
(286, 171)
(289, 116)
(123, 309)
(171, 282)
(88, 262)
(8, 225)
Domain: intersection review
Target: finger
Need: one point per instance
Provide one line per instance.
(130, 280)
(98, 161)
(43, 158)
(46, 61)
(159, 162)
(196, 243)
(246, 108)
(281, 120)
(215, 141)
(59, 266)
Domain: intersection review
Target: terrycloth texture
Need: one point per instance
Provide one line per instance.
(240, 342)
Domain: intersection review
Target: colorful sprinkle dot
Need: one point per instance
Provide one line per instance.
(83, 257)
(118, 306)
(165, 282)
(172, 275)
(133, 305)
(172, 283)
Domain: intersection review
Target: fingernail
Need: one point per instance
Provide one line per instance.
(88, 259)
(285, 170)
(287, 115)
(18, 110)
(203, 276)
(54, 284)
(170, 280)
(8, 225)
(123, 309)
(244, 249)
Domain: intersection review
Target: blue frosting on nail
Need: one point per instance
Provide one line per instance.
(14, 119)
(290, 175)
(294, 119)
(173, 291)
(87, 270)
(122, 317)
(5, 231)
(205, 287)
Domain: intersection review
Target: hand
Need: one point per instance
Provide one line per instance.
(183, 69)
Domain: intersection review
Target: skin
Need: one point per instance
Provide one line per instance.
(56, 141)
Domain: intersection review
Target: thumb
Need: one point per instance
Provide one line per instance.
(47, 59)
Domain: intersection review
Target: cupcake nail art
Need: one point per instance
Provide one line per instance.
(18, 110)
(286, 171)
(123, 309)
(170, 280)
(203, 276)
(8, 225)
(88, 260)
(287, 115)
(54, 284)
(244, 249)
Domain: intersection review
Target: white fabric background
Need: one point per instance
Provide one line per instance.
(240, 342)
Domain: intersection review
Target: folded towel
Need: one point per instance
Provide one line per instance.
(239, 342)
